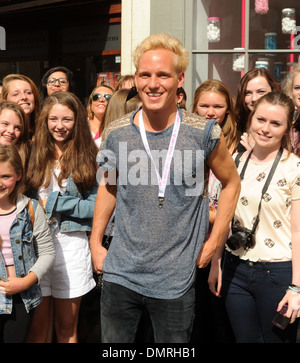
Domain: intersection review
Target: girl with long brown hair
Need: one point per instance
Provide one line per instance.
(253, 85)
(62, 169)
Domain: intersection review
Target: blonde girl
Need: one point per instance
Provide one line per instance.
(96, 109)
(291, 87)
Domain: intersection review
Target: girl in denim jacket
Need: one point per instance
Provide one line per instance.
(27, 251)
(62, 169)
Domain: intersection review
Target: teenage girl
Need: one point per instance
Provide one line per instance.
(213, 100)
(14, 129)
(259, 278)
(96, 109)
(62, 169)
(26, 253)
(252, 86)
(23, 91)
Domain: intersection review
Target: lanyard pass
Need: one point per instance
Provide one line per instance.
(162, 182)
(161, 201)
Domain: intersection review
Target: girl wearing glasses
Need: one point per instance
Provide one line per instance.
(96, 109)
(62, 173)
(55, 80)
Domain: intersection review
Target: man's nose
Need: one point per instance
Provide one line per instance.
(153, 82)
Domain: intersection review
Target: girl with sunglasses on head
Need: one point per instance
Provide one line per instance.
(62, 172)
(96, 108)
(56, 79)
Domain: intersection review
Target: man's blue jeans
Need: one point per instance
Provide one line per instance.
(252, 291)
(121, 311)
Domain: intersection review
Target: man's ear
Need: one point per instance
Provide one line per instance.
(180, 79)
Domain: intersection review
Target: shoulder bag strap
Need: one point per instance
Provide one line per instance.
(265, 188)
(31, 212)
(267, 183)
(237, 158)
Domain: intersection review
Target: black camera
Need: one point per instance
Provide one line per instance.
(241, 237)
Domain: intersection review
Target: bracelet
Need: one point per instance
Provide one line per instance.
(294, 288)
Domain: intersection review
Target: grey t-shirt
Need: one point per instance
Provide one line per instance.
(154, 250)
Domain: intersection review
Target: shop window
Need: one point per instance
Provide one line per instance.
(232, 37)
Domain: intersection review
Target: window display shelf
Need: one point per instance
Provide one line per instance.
(256, 29)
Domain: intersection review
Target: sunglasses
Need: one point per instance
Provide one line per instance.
(105, 96)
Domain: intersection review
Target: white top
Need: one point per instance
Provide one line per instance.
(71, 275)
(273, 233)
(43, 194)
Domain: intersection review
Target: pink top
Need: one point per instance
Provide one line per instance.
(5, 224)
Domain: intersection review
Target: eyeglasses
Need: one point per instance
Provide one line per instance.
(62, 81)
(105, 96)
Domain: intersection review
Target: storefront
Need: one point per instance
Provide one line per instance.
(84, 36)
(261, 30)
(242, 34)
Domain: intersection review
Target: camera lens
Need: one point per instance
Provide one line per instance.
(234, 242)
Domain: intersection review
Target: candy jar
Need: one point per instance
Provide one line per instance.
(238, 64)
(261, 6)
(271, 40)
(278, 69)
(213, 29)
(261, 64)
(288, 21)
